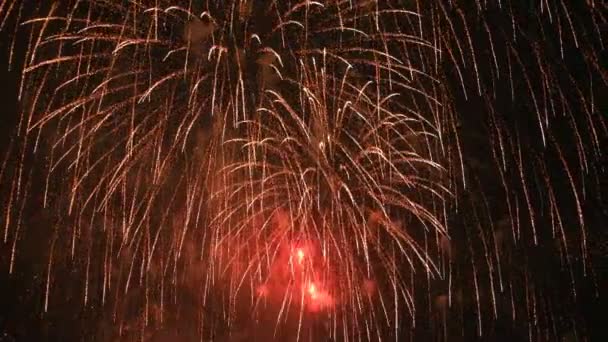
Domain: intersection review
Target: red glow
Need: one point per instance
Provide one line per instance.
(263, 290)
(300, 255)
(319, 298)
(369, 286)
(299, 264)
(312, 290)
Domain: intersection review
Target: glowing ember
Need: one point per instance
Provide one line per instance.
(300, 255)
(312, 291)
(319, 299)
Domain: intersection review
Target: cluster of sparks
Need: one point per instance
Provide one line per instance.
(307, 282)
(301, 156)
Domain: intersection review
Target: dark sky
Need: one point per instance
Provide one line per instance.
(22, 293)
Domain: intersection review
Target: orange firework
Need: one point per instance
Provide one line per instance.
(330, 168)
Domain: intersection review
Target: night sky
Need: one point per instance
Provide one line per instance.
(22, 316)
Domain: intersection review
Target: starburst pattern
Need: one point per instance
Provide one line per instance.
(316, 165)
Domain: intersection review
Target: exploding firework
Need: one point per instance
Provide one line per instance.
(301, 169)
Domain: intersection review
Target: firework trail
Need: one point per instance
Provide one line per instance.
(317, 167)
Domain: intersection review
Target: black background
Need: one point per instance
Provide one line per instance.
(22, 316)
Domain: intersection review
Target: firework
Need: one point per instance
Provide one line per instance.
(305, 166)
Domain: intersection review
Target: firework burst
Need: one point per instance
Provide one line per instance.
(304, 166)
